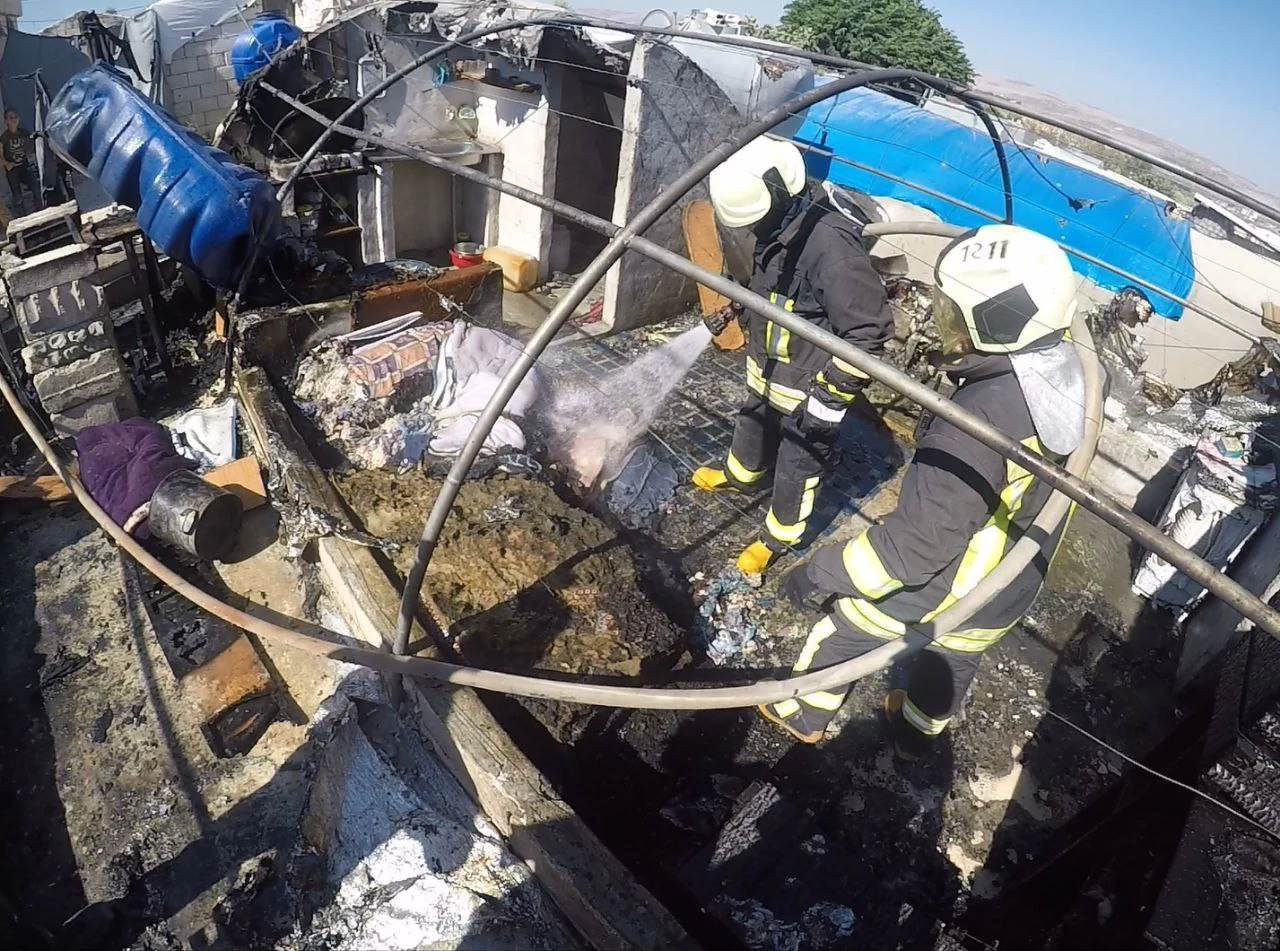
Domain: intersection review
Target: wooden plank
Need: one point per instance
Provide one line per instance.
(43, 488)
(243, 478)
(703, 240)
(593, 889)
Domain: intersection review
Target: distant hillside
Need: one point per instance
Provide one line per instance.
(1053, 105)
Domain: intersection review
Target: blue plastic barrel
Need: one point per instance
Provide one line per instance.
(268, 34)
(192, 201)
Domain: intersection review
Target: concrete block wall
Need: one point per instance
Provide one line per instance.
(666, 127)
(199, 83)
(70, 349)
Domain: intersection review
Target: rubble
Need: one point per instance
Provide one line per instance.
(727, 602)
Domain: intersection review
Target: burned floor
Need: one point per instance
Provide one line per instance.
(181, 777)
(784, 846)
(749, 839)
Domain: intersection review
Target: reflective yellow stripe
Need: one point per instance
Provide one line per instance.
(777, 340)
(971, 642)
(791, 534)
(921, 721)
(823, 700)
(819, 699)
(987, 547)
(821, 380)
(787, 534)
(866, 570)
(786, 708)
(817, 634)
(867, 617)
(785, 399)
(849, 368)
(740, 472)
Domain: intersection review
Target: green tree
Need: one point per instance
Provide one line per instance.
(880, 32)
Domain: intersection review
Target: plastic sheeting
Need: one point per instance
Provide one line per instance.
(178, 22)
(1123, 226)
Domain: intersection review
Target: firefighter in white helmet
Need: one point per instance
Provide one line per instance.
(1004, 300)
(810, 260)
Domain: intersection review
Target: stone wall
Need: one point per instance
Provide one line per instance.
(199, 83)
(674, 115)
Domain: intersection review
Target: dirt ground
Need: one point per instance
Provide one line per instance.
(859, 844)
(526, 579)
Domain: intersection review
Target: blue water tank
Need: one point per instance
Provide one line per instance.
(192, 201)
(268, 34)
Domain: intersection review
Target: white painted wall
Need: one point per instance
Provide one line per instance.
(522, 127)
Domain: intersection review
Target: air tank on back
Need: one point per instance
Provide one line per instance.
(253, 50)
(191, 200)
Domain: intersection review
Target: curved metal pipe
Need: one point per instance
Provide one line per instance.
(551, 325)
(720, 698)
(608, 228)
(985, 98)
(1115, 515)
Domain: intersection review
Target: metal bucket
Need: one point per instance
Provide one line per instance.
(193, 515)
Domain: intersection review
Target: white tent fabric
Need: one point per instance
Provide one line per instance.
(175, 23)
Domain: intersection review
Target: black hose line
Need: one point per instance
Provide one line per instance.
(1115, 514)
(626, 237)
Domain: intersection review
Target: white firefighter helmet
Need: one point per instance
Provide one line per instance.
(1005, 290)
(739, 186)
(1002, 289)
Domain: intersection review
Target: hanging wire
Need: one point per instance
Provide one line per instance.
(493, 94)
(1248, 820)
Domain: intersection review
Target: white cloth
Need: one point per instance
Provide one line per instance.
(1052, 383)
(471, 365)
(206, 436)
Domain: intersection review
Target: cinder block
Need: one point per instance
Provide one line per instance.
(26, 276)
(60, 308)
(95, 412)
(67, 346)
(180, 81)
(227, 74)
(182, 65)
(201, 77)
(183, 110)
(186, 94)
(214, 90)
(101, 374)
(207, 103)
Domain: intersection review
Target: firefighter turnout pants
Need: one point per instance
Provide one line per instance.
(766, 439)
(937, 679)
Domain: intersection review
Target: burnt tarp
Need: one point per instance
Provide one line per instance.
(56, 60)
(29, 62)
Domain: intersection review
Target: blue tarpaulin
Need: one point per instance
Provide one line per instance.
(1123, 226)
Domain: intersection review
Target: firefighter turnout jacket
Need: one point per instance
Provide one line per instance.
(961, 507)
(817, 268)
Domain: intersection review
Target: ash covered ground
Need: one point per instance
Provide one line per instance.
(787, 847)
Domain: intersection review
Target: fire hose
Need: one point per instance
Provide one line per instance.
(1068, 483)
(697, 698)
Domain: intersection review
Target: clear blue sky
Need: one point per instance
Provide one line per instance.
(1150, 62)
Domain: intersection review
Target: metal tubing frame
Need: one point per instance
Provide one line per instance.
(1073, 487)
(576, 293)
